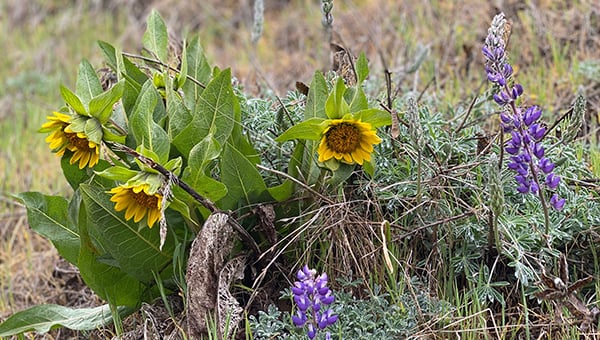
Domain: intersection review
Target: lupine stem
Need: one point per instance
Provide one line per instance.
(533, 170)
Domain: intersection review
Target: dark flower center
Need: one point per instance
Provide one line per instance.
(79, 143)
(343, 138)
(142, 199)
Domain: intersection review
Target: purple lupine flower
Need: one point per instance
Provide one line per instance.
(313, 298)
(525, 146)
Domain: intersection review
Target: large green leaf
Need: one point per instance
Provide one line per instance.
(133, 246)
(315, 107)
(43, 318)
(48, 216)
(88, 85)
(244, 182)
(107, 280)
(215, 113)
(317, 95)
(179, 115)
(197, 69)
(155, 38)
(145, 130)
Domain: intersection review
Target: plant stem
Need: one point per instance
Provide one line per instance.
(533, 169)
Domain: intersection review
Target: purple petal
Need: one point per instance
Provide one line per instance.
(531, 115)
(552, 181)
(546, 165)
(538, 150)
(311, 332)
(557, 203)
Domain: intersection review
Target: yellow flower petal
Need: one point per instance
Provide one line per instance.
(153, 216)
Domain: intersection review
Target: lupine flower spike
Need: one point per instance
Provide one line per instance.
(313, 298)
(527, 155)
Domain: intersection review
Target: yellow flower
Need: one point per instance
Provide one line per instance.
(63, 138)
(138, 201)
(350, 141)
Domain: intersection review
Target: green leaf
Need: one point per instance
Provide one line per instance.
(369, 167)
(198, 69)
(375, 117)
(135, 247)
(362, 68)
(358, 99)
(72, 173)
(195, 174)
(304, 157)
(143, 127)
(72, 100)
(43, 318)
(179, 115)
(48, 216)
(309, 129)
(101, 106)
(244, 183)
(317, 96)
(202, 153)
(117, 173)
(282, 191)
(182, 76)
(336, 106)
(215, 114)
(341, 174)
(108, 281)
(110, 53)
(88, 85)
(155, 38)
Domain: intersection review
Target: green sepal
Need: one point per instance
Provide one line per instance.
(93, 130)
(101, 106)
(309, 129)
(73, 101)
(117, 173)
(331, 164)
(78, 123)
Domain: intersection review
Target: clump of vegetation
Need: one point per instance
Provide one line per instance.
(189, 190)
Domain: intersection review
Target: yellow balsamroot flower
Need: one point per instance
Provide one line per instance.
(63, 138)
(138, 201)
(348, 140)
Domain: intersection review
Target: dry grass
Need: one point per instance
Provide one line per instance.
(549, 40)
